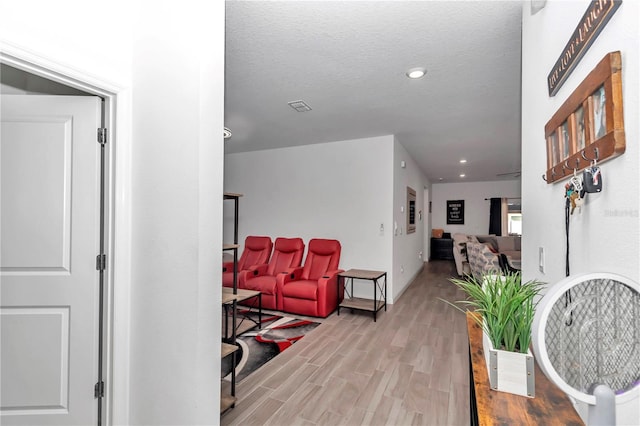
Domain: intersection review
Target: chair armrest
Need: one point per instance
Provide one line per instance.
(293, 273)
(257, 270)
(329, 295)
(328, 283)
(331, 274)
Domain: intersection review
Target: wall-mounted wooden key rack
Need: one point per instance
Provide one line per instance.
(589, 125)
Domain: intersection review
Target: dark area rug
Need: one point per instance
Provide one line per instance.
(257, 346)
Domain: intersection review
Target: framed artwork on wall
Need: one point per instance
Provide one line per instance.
(578, 129)
(599, 113)
(455, 212)
(565, 140)
(411, 210)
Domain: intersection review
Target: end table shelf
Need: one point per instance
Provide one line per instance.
(242, 295)
(379, 300)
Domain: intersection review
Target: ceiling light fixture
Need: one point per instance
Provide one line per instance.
(463, 161)
(226, 133)
(462, 175)
(416, 73)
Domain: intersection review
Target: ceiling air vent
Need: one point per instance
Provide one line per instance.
(299, 106)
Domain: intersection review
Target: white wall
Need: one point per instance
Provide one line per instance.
(166, 63)
(476, 208)
(340, 190)
(605, 236)
(408, 251)
(177, 187)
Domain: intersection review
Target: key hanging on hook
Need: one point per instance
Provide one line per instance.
(575, 197)
(576, 181)
(592, 178)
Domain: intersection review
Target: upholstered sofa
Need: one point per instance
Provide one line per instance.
(508, 245)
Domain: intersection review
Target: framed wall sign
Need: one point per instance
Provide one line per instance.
(411, 210)
(592, 22)
(455, 212)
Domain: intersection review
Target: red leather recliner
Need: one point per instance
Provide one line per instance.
(287, 254)
(257, 251)
(313, 290)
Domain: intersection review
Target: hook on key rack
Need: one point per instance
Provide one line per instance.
(553, 175)
(595, 151)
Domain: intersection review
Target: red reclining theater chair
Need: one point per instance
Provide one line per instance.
(287, 254)
(256, 252)
(313, 289)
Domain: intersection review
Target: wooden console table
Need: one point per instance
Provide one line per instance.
(550, 406)
(379, 291)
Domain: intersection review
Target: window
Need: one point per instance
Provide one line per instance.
(515, 223)
(514, 216)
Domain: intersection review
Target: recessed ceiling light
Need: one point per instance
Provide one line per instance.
(440, 178)
(416, 72)
(463, 161)
(462, 175)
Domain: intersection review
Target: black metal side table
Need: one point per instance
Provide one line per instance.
(379, 291)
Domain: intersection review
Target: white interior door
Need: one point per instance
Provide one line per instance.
(49, 239)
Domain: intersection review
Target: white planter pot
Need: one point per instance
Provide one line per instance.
(510, 372)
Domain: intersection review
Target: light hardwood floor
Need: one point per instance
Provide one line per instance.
(409, 368)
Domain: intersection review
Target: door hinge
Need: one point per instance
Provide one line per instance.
(101, 262)
(102, 135)
(98, 390)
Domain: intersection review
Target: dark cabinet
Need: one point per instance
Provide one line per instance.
(442, 248)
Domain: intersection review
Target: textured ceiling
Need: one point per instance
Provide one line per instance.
(348, 59)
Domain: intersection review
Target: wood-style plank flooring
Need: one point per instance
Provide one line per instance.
(410, 367)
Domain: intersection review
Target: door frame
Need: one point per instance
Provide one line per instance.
(117, 101)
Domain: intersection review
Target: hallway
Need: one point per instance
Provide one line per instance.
(409, 368)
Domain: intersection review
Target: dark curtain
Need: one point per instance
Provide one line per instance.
(495, 216)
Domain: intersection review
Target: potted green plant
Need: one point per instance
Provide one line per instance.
(505, 308)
